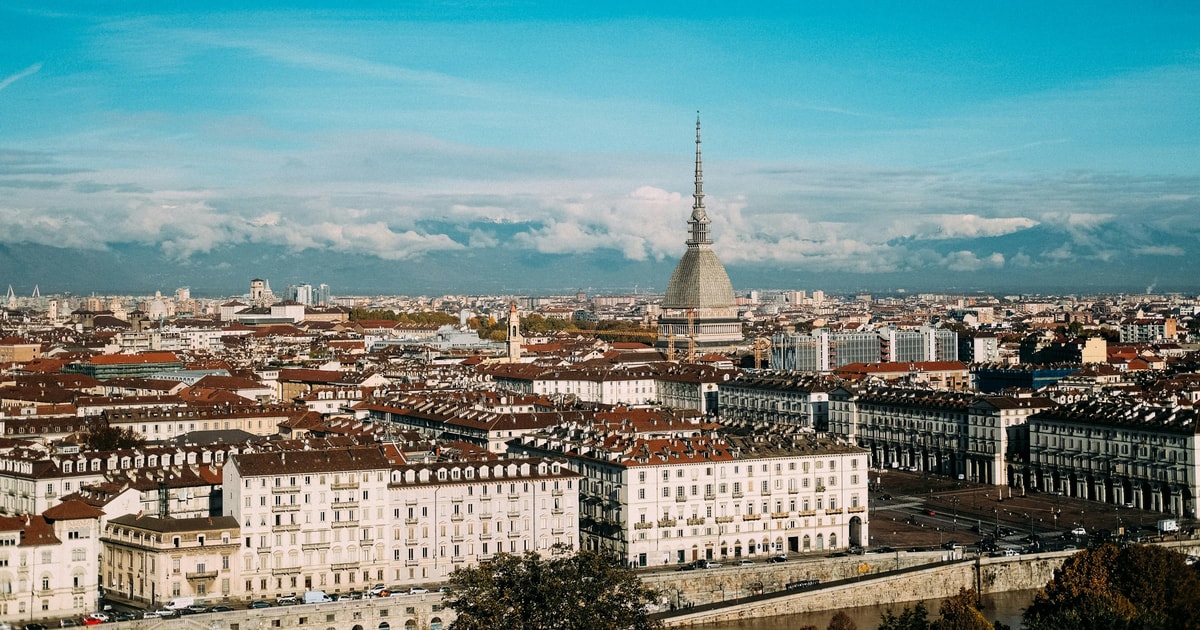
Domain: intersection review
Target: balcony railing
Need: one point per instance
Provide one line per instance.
(201, 575)
(751, 517)
(283, 489)
(696, 521)
(666, 522)
(344, 485)
(286, 507)
(339, 524)
(859, 508)
(643, 525)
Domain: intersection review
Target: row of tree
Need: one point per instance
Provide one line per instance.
(1103, 588)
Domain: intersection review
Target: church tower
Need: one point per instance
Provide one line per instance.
(514, 334)
(699, 310)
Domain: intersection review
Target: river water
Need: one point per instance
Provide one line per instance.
(1004, 607)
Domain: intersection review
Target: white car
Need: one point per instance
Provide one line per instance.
(418, 590)
(1079, 531)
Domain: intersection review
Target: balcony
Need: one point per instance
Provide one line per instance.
(556, 510)
(641, 525)
(514, 515)
(411, 542)
(860, 508)
(806, 513)
(679, 498)
(410, 521)
(284, 489)
(793, 491)
(834, 511)
(556, 493)
(737, 494)
(666, 522)
(485, 536)
(200, 575)
(295, 570)
(514, 496)
(340, 524)
(411, 562)
(751, 517)
(557, 531)
(288, 527)
(285, 508)
(343, 566)
(457, 517)
(345, 485)
(314, 546)
(512, 534)
(456, 539)
(724, 519)
(780, 514)
(348, 504)
(486, 515)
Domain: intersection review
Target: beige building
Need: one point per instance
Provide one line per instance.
(147, 560)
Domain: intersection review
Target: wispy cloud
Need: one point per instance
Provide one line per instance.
(11, 79)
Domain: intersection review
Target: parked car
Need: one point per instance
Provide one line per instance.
(745, 563)
(1079, 531)
(417, 590)
(709, 564)
(777, 558)
(260, 604)
(286, 600)
(217, 609)
(167, 613)
(377, 591)
(686, 567)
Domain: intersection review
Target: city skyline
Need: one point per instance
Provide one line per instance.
(470, 148)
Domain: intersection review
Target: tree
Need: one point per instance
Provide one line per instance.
(1138, 587)
(915, 618)
(960, 612)
(841, 621)
(568, 591)
(100, 436)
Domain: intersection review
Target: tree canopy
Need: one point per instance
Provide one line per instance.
(1139, 587)
(564, 590)
(959, 612)
(98, 435)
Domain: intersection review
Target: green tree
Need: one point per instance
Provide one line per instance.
(568, 591)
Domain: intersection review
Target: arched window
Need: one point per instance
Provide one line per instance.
(435, 623)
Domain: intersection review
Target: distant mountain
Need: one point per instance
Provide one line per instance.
(140, 270)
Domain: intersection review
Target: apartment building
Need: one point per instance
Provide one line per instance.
(147, 560)
(1118, 451)
(746, 491)
(340, 520)
(49, 563)
(946, 432)
(779, 398)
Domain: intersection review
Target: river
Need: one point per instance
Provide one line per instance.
(1003, 607)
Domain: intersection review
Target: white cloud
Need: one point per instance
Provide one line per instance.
(13, 78)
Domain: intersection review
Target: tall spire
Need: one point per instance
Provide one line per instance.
(699, 220)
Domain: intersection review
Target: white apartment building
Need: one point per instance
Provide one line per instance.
(49, 563)
(744, 492)
(347, 519)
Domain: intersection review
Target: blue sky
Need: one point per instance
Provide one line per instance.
(877, 145)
